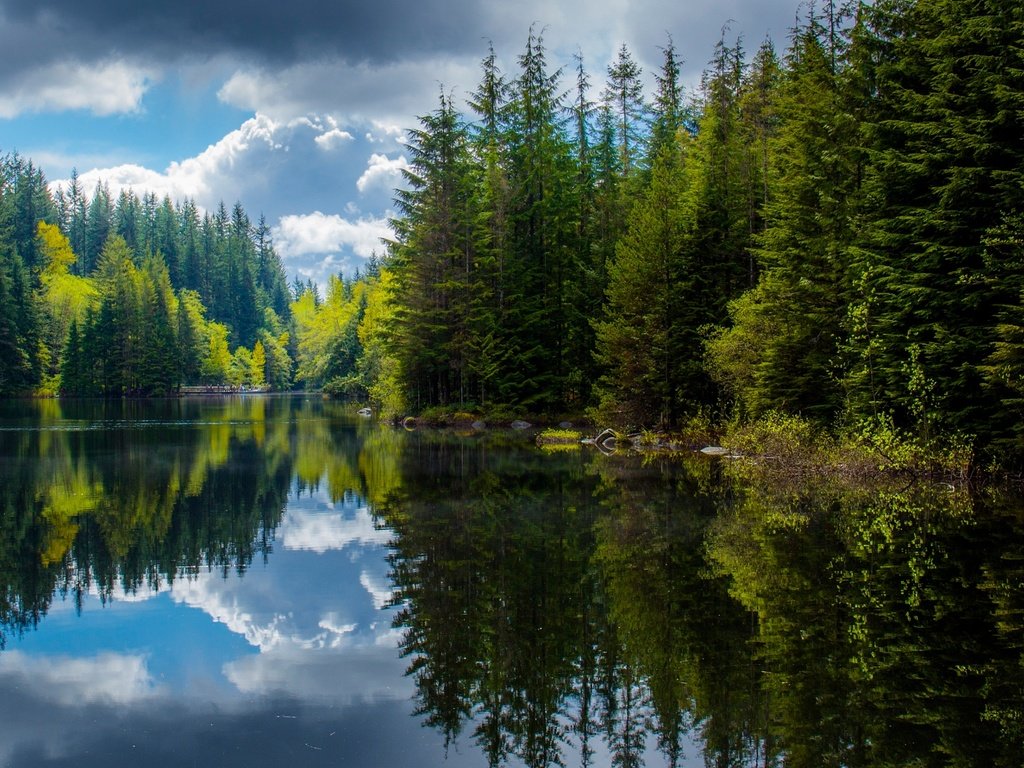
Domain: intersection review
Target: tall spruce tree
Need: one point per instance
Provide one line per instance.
(541, 172)
(159, 369)
(433, 258)
(946, 173)
(98, 224)
(645, 345)
(624, 95)
(791, 329)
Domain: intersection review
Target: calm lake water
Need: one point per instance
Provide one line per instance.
(273, 581)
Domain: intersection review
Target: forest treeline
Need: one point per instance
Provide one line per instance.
(141, 296)
(833, 231)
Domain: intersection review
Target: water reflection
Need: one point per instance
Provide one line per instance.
(254, 580)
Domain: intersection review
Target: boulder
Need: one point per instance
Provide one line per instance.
(715, 450)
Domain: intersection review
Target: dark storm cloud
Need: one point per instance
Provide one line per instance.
(261, 30)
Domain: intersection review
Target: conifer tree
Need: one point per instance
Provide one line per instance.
(72, 379)
(159, 367)
(946, 172)
(805, 285)
(19, 363)
(624, 96)
(432, 256)
(543, 229)
(584, 294)
(115, 336)
(167, 241)
(127, 220)
(98, 224)
(669, 110)
(74, 222)
(490, 283)
(188, 340)
(645, 345)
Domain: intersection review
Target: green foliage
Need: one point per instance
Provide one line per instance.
(645, 348)
(833, 232)
(944, 178)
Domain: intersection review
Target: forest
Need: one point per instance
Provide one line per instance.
(832, 230)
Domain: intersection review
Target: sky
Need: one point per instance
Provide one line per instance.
(298, 110)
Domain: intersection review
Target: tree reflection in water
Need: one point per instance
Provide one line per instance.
(567, 608)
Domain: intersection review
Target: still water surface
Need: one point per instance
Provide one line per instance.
(273, 581)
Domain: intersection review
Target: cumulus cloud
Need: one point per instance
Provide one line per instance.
(355, 674)
(104, 88)
(225, 607)
(379, 588)
(109, 678)
(323, 531)
(332, 139)
(265, 164)
(313, 233)
(382, 171)
(384, 133)
(200, 177)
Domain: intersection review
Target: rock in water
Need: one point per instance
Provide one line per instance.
(715, 450)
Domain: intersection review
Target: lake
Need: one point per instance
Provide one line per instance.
(275, 581)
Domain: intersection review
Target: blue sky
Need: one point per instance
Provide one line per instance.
(298, 109)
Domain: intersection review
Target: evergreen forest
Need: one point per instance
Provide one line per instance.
(832, 228)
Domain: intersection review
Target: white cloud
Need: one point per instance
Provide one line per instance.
(379, 588)
(322, 531)
(210, 595)
(382, 172)
(385, 133)
(333, 139)
(109, 678)
(360, 673)
(106, 88)
(320, 233)
(196, 177)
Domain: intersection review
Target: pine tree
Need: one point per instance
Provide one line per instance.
(166, 240)
(805, 284)
(73, 379)
(19, 364)
(669, 110)
(188, 345)
(127, 220)
(433, 257)
(647, 344)
(75, 224)
(946, 173)
(98, 225)
(117, 333)
(159, 371)
(491, 231)
(584, 291)
(624, 96)
(542, 232)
